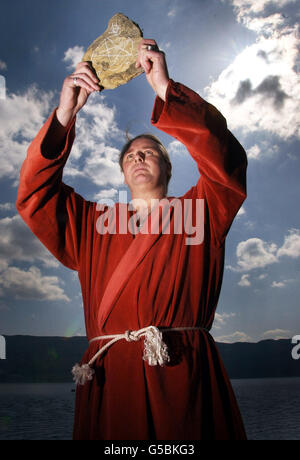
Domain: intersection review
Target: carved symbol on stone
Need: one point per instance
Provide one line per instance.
(118, 54)
(115, 29)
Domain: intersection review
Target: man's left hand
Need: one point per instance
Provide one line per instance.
(154, 64)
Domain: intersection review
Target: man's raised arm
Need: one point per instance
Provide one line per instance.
(221, 160)
(51, 209)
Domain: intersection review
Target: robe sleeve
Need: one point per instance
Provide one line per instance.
(221, 160)
(51, 209)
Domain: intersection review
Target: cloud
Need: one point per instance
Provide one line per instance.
(102, 169)
(259, 90)
(244, 281)
(25, 284)
(172, 12)
(73, 56)
(95, 124)
(13, 233)
(277, 334)
(21, 117)
(7, 206)
(2, 88)
(94, 155)
(3, 65)
(176, 148)
(291, 245)
(237, 336)
(266, 149)
(255, 253)
(241, 212)
(269, 88)
(250, 8)
(106, 194)
(31, 285)
(254, 152)
(278, 284)
(221, 319)
(281, 284)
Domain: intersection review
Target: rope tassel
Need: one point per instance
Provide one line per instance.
(82, 373)
(155, 351)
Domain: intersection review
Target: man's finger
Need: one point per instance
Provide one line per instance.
(79, 81)
(86, 67)
(77, 77)
(150, 47)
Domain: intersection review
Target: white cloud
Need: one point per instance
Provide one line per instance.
(25, 284)
(109, 194)
(73, 56)
(291, 245)
(103, 169)
(260, 90)
(254, 152)
(31, 285)
(237, 336)
(278, 284)
(283, 283)
(7, 206)
(255, 253)
(96, 134)
(177, 148)
(221, 319)
(3, 65)
(241, 212)
(248, 8)
(276, 334)
(2, 88)
(13, 233)
(21, 117)
(244, 281)
(172, 12)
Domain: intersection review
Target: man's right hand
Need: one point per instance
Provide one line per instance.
(73, 97)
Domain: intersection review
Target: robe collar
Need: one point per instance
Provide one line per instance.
(138, 248)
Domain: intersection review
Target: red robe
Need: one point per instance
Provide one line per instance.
(165, 283)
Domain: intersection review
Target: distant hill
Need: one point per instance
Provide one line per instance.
(268, 358)
(50, 359)
(40, 359)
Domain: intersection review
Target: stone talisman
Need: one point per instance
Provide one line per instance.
(113, 54)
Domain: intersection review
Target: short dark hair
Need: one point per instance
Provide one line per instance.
(161, 147)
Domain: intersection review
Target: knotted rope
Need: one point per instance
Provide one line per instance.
(155, 350)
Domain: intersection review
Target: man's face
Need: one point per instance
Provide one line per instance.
(143, 166)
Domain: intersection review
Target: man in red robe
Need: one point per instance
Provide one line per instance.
(148, 294)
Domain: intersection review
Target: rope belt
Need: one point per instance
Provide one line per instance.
(155, 350)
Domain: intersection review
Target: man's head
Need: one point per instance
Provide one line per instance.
(146, 164)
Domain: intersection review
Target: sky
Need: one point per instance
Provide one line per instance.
(243, 57)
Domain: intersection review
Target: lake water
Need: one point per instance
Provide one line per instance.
(270, 409)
